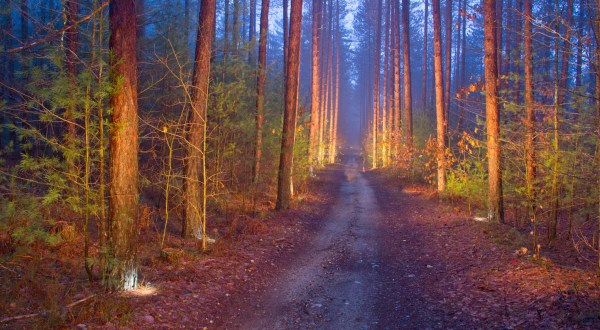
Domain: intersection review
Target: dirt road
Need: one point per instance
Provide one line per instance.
(343, 279)
(335, 282)
(392, 257)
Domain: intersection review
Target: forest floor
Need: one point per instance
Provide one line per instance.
(363, 250)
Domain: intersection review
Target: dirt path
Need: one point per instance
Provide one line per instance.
(334, 282)
(391, 257)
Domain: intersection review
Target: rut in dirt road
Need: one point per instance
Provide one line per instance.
(334, 284)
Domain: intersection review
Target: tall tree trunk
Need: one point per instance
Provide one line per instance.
(260, 88)
(329, 83)
(384, 112)
(439, 97)
(448, 61)
(463, 64)
(194, 224)
(286, 37)
(336, 107)
(286, 160)
(226, 31)
(315, 84)
(580, 45)
(407, 74)
(377, 54)
(236, 26)
(252, 33)
(424, 78)
(560, 91)
(121, 268)
(397, 135)
(7, 72)
(530, 162)
(495, 207)
(499, 32)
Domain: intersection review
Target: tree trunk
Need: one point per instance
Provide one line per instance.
(495, 207)
(286, 37)
(252, 33)
(463, 65)
(329, 83)
(448, 61)
(561, 86)
(499, 32)
(377, 54)
(530, 163)
(407, 74)
(235, 35)
(580, 45)
(121, 268)
(439, 97)
(384, 111)
(286, 160)
(397, 135)
(194, 224)
(424, 81)
(260, 88)
(315, 84)
(336, 107)
(7, 75)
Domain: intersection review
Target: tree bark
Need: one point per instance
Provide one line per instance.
(463, 63)
(448, 61)
(385, 105)
(286, 37)
(424, 78)
(252, 33)
(439, 97)
(260, 88)
(194, 224)
(121, 267)
(286, 160)
(495, 207)
(336, 106)
(397, 132)
(235, 35)
(377, 54)
(407, 74)
(530, 162)
(315, 84)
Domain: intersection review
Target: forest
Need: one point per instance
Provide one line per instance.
(236, 163)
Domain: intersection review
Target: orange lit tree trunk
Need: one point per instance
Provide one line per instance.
(424, 77)
(495, 207)
(315, 84)
(385, 105)
(439, 97)
(336, 100)
(194, 193)
(448, 61)
(530, 163)
(407, 75)
(397, 132)
(121, 267)
(286, 37)
(329, 80)
(377, 54)
(260, 88)
(286, 160)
